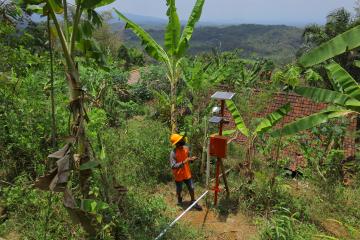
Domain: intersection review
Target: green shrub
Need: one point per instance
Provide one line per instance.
(140, 92)
(142, 216)
(139, 153)
(285, 225)
(28, 210)
(154, 76)
(281, 226)
(25, 124)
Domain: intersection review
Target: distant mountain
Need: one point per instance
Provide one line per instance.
(277, 42)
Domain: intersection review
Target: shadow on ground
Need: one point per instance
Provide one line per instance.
(228, 206)
(185, 204)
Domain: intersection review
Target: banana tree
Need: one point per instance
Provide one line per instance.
(75, 36)
(265, 126)
(200, 78)
(164, 103)
(345, 99)
(175, 46)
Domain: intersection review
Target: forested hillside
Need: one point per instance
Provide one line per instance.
(276, 42)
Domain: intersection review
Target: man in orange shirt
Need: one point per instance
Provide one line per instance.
(179, 161)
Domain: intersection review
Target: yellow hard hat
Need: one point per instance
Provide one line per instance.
(175, 138)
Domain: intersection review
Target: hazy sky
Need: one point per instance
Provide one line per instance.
(243, 11)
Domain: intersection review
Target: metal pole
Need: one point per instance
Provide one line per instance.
(222, 115)
(217, 181)
(219, 159)
(219, 163)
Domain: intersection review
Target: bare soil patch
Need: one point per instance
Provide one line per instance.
(216, 227)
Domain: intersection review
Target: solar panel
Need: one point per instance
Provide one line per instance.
(223, 95)
(215, 119)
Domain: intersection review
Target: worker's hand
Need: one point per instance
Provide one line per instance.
(189, 159)
(193, 158)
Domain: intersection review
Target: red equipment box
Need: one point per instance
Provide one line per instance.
(218, 146)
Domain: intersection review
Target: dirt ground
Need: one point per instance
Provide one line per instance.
(11, 236)
(233, 227)
(215, 226)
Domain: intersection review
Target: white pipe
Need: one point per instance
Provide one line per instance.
(180, 216)
(207, 164)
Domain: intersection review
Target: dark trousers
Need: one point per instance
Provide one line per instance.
(189, 184)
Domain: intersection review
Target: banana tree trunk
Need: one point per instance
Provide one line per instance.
(52, 91)
(250, 152)
(77, 128)
(173, 114)
(77, 108)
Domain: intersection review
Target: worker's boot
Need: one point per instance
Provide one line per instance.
(197, 206)
(180, 202)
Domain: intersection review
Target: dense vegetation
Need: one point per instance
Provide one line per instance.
(85, 125)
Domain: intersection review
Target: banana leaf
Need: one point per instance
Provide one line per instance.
(272, 119)
(336, 46)
(56, 6)
(151, 46)
(172, 33)
(228, 132)
(328, 96)
(312, 76)
(357, 63)
(240, 124)
(36, 9)
(91, 4)
(343, 80)
(310, 121)
(189, 28)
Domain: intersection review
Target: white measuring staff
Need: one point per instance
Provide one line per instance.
(180, 216)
